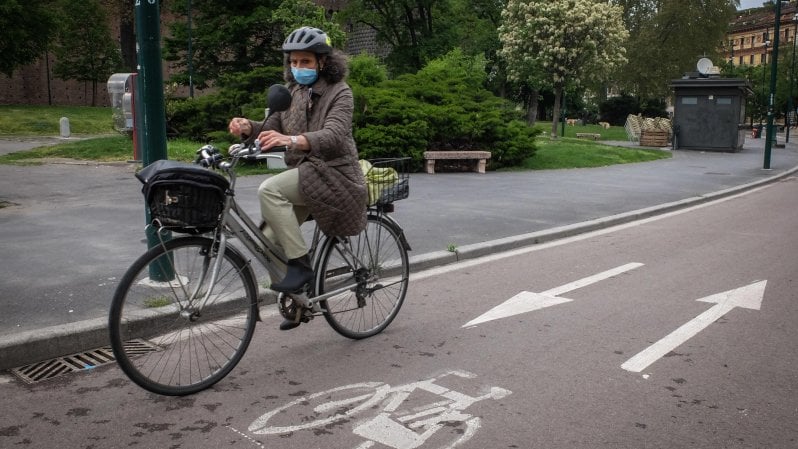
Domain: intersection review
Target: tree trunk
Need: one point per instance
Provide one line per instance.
(532, 109)
(556, 119)
(127, 41)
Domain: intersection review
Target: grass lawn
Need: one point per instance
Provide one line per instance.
(117, 148)
(613, 133)
(568, 152)
(20, 120)
(108, 146)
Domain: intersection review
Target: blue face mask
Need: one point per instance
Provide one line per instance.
(304, 76)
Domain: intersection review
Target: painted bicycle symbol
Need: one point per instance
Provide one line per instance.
(407, 416)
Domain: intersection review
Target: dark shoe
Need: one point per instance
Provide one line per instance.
(299, 273)
(287, 325)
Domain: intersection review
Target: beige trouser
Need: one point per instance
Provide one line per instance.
(284, 210)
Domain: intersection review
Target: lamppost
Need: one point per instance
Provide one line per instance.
(773, 76)
(790, 105)
(764, 62)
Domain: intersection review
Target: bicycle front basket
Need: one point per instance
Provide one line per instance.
(387, 180)
(183, 197)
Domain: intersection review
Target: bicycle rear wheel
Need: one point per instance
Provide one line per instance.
(166, 335)
(371, 270)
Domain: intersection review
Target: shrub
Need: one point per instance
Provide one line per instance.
(365, 70)
(239, 95)
(442, 107)
(616, 109)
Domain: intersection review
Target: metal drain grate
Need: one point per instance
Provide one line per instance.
(37, 372)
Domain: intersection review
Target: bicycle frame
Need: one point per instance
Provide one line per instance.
(236, 223)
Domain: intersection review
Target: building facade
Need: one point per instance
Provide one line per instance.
(750, 38)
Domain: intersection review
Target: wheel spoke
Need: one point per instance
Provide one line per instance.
(367, 258)
(196, 347)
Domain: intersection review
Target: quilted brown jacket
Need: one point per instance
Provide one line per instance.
(330, 178)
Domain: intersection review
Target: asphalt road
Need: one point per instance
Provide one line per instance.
(71, 230)
(553, 377)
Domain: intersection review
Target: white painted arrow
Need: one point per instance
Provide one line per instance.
(749, 297)
(529, 301)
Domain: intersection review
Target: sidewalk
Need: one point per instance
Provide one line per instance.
(71, 230)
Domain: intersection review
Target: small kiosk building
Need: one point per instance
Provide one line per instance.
(709, 113)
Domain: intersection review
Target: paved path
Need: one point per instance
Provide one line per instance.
(71, 230)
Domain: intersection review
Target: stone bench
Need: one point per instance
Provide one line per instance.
(594, 136)
(480, 158)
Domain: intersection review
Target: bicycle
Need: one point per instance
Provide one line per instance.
(185, 311)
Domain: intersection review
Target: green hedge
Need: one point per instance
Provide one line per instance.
(442, 107)
(205, 118)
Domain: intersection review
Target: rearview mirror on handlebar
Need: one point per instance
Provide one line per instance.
(279, 98)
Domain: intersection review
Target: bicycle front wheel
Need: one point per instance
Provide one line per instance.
(172, 332)
(370, 272)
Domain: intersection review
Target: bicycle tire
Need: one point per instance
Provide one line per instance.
(161, 340)
(375, 263)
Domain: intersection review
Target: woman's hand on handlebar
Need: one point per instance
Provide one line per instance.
(269, 140)
(240, 126)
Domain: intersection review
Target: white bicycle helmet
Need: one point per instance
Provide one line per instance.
(308, 39)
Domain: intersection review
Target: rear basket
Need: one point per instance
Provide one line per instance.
(183, 197)
(388, 180)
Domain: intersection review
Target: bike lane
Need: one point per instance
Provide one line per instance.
(549, 377)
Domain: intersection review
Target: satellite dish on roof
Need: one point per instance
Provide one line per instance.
(705, 66)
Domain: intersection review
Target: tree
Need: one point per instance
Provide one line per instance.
(561, 44)
(236, 36)
(28, 26)
(293, 14)
(85, 50)
(228, 36)
(124, 12)
(668, 37)
(416, 30)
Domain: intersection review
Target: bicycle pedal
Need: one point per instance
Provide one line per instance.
(301, 299)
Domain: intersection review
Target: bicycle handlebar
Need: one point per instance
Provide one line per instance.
(209, 156)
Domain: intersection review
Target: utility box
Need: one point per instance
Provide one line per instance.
(709, 113)
(121, 88)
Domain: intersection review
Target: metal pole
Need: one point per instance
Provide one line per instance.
(150, 102)
(773, 76)
(790, 104)
(150, 80)
(764, 73)
(190, 56)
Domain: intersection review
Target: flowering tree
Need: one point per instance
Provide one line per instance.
(560, 44)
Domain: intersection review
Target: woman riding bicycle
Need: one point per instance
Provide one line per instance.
(324, 178)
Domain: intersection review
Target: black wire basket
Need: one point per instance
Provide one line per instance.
(388, 180)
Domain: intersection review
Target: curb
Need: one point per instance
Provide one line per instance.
(30, 347)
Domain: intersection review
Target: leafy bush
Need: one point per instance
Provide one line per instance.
(442, 107)
(615, 110)
(239, 95)
(654, 107)
(365, 70)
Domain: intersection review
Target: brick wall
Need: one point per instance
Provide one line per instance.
(30, 85)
